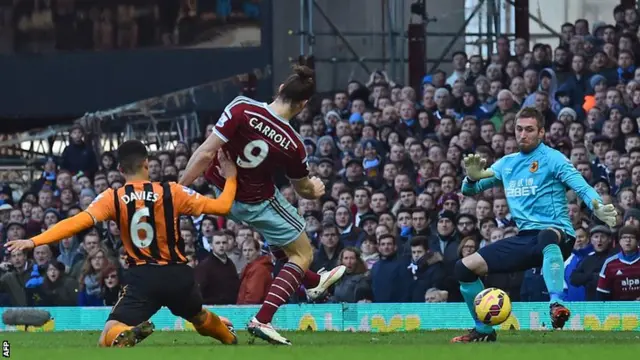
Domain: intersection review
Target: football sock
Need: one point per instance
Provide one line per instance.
(553, 272)
(469, 291)
(212, 326)
(113, 333)
(285, 284)
(310, 280)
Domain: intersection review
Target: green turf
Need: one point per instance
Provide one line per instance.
(334, 346)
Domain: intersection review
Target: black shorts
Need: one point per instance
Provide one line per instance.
(150, 287)
(519, 253)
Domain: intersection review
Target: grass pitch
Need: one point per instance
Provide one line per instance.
(512, 345)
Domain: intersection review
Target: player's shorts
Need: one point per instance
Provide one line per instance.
(519, 253)
(275, 219)
(150, 287)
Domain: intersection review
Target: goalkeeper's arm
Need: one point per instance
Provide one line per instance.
(470, 187)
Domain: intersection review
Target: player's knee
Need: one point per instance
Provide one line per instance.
(551, 236)
(300, 252)
(463, 273)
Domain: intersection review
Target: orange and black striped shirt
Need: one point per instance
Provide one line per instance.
(147, 214)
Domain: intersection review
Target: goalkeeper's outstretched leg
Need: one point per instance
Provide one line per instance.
(529, 249)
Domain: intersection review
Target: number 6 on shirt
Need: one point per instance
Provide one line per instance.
(137, 226)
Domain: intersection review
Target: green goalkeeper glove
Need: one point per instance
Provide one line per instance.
(606, 213)
(475, 167)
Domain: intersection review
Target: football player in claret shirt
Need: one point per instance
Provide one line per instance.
(260, 138)
(158, 275)
(620, 275)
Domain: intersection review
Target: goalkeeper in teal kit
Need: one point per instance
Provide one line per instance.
(535, 180)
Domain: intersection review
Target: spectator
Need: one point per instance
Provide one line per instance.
(326, 257)
(587, 272)
(425, 267)
(581, 250)
(110, 284)
(257, 275)
(78, 155)
(217, 275)
(619, 278)
(58, 288)
(369, 247)
(390, 280)
(354, 284)
(89, 290)
(16, 274)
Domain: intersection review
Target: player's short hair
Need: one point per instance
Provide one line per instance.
(531, 112)
(299, 86)
(131, 155)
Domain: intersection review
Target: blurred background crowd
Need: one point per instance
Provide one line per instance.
(391, 157)
(40, 26)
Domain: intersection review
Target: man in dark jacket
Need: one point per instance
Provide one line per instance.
(446, 242)
(587, 272)
(425, 267)
(330, 246)
(79, 156)
(390, 280)
(216, 274)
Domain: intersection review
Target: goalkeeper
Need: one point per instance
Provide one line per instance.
(534, 180)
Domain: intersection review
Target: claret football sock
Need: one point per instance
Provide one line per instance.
(310, 280)
(553, 272)
(469, 291)
(113, 333)
(285, 284)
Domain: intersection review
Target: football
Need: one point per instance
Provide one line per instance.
(492, 306)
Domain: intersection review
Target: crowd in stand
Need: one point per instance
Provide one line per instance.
(391, 158)
(38, 26)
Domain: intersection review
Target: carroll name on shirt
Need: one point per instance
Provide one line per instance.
(267, 131)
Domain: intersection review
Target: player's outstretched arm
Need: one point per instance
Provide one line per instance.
(478, 178)
(201, 159)
(195, 204)
(62, 230)
(309, 188)
(570, 177)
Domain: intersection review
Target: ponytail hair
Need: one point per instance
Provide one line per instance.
(299, 86)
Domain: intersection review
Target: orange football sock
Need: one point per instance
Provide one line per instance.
(213, 327)
(113, 333)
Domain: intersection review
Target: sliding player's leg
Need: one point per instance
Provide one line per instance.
(550, 244)
(504, 256)
(117, 334)
(128, 322)
(316, 284)
(184, 299)
(209, 324)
